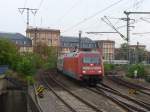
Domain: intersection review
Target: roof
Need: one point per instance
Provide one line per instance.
(17, 37)
(42, 30)
(138, 45)
(75, 39)
(105, 41)
(70, 41)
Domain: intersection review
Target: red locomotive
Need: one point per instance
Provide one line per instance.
(85, 66)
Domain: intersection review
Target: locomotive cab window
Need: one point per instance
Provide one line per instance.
(94, 60)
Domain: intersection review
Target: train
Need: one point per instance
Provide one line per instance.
(84, 66)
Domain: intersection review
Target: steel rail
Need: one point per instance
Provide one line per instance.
(112, 99)
(55, 93)
(122, 104)
(134, 85)
(130, 85)
(76, 96)
(111, 90)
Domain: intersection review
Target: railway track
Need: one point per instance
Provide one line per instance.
(74, 102)
(137, 101)
(101, 102)
(123, 101)
(127, 103)
(139, 88)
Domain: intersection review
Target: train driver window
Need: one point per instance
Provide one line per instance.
(89, 60)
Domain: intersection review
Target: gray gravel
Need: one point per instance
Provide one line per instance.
(125, 90)
(103, 103)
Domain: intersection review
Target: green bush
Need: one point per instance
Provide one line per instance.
(51, 64)
(141, 73)
(29, 63)
(36, 59)
(52, 59)
(108, 67)
(25, 66)
(8, 53)
(30, 80)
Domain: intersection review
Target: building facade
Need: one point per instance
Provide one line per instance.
(23, 43)
(107, 48)
(134, 47)
(69, 44)
(47, 36)
(138, 53)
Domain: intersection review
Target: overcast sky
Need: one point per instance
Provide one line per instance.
(70, 16)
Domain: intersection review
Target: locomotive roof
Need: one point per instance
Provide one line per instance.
(80, 52)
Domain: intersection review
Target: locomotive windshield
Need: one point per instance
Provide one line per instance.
(93, 60)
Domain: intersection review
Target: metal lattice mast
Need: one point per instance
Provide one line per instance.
(34, 11)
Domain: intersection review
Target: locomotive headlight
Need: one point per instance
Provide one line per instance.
(99, 71)
(84, 71)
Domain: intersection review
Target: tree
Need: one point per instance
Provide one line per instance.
(42, 49)
(8, 53)
(47, 53)
(141, 73)
(26, 66)
(52, 57)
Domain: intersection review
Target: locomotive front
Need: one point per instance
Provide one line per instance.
(91, 69)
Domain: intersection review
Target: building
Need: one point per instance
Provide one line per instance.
(138, 53)
(107, 48)
(46, 36)
(68, 44)
(138, 46)
(148, 57)
(23, 43)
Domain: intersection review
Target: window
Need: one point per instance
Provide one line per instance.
(49, 42)
(24, 42)
(94, 60)
(16, 42)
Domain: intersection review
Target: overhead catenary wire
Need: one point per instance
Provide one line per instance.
(69, 10)
(98, 25)
(22, 10)
(89, 26)
(95, 14)
(38, 8)
(41, 2)
(122, 26)
(137, 4)
(132, 6)
(145, 20)
(25, 3)
(112, 26)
